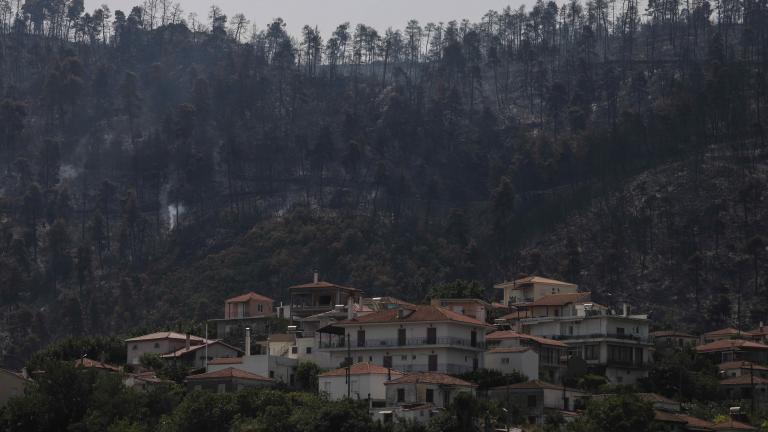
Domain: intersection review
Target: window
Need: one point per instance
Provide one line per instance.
(404, 358)
(260, 307)
(271, 374)
(359, 359)
(557, 312)
(135, 347)
(157, 344)
(505, 361)
(532, 402)
(430, 396)
(591, 352)
(473, 338)
(309, 350)
(324, 300)
(361, 338)
(400, 395)
(294, 350)
(620, 331)
(222, 388)
(387, 363)
(570, 330)
(475, 363)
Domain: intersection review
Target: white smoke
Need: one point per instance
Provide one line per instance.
(175, 211)
(67, 172)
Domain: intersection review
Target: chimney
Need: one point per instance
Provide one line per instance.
(350, 308)
(188, 342)
(625, 309)
(247, 341)
(316, 278)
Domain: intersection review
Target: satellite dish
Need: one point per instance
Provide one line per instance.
(576, 367)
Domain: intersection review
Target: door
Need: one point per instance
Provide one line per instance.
(401, 337)
(431, 335)
(473, 338)
(432, 366)
(361, 338)
(387, 363)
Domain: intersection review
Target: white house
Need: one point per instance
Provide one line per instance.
(534, 399)
(159, 343)
(536, 357)
(515, 359)
(194, 356)
(419, 396)
(409, 339)
(366, 382)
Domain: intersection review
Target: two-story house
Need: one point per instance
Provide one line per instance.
(418, 396)
(361, 381)
(409, 339)
(615, 345)
(319, 296)
(250, 310)
(533, 356)
(474, 308)
(529, 289)
(159, 343)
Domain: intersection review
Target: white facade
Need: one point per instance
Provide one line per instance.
(280, 369)
(525, 362)
(361, 387)
(451, 347)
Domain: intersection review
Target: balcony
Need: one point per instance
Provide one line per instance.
(409, 342)
(447, 368)
(625, 337)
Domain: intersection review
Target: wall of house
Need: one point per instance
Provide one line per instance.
(449, 360)
(417, 393)
(280, 369)
(197, 358)
(361, 386)
(625, 376)
(11, 385)
(553, 398)
(135, 350)
(225, 385)
(526, 362)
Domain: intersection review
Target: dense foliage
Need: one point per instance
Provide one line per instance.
(151, 165)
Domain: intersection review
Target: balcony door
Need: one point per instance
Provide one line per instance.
(473, 338)
(401, 337)
(431, 335)
(361, 338)
(432, 366)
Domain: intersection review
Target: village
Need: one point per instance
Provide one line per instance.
(408, 362)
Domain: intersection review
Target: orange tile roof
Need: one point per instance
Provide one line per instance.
(249, 296)
(226, 360)
(696, 424)
(535, 279)
(322, 284)
(165, 335)
(733, 425)
(419, 313)
(363, 368)
(230, 373)
(744, 380)
(667, 417)
(729, 344)
(742, 365)
(669, 333)
(93, 364)
(183, 351)
(730, 331)
(511, 334)
(517, 315)
(562, 299)
(431, 378)
(507, 350)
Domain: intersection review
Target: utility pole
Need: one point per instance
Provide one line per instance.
(349, 367)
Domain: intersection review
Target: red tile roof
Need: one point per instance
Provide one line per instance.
(249, 296)
(230, 373)
(729, 425)
(517, 315)
(562, 299)
(535, 280)
(671, 333)
(165, 335)
(507, 350)
(668, 417)
(93, 364)
(729, 344)
(183, 351)
(511, 334)
(322, 284)
(696, 424)
(363, 368)
(420, 313)
(744, 380)
(730, 331)
(431, 378)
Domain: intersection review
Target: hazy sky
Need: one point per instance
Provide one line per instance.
(327, 14)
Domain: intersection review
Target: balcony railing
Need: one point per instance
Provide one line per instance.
(448, 368)
(409, 342)
(627, 337)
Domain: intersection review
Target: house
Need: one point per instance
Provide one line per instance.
(529, 289)
(728, 333)
(159, 343)
(366, 382)
(377, 304)
(732, 425)
(319, 296)
(615, 345)
(409, 339)
(671, 339)
(746, 387)
(433, 388)
(194, 356)
(98, 366)
(727, 350)
(276, 368)
(251, 310)
(541, 359)
(737, 368)
(534, 399)
(12, 384)
(282, 344)
(474, 308)
(227, 380)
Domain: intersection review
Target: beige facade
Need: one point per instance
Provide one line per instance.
(159, 343)
(530, 289)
